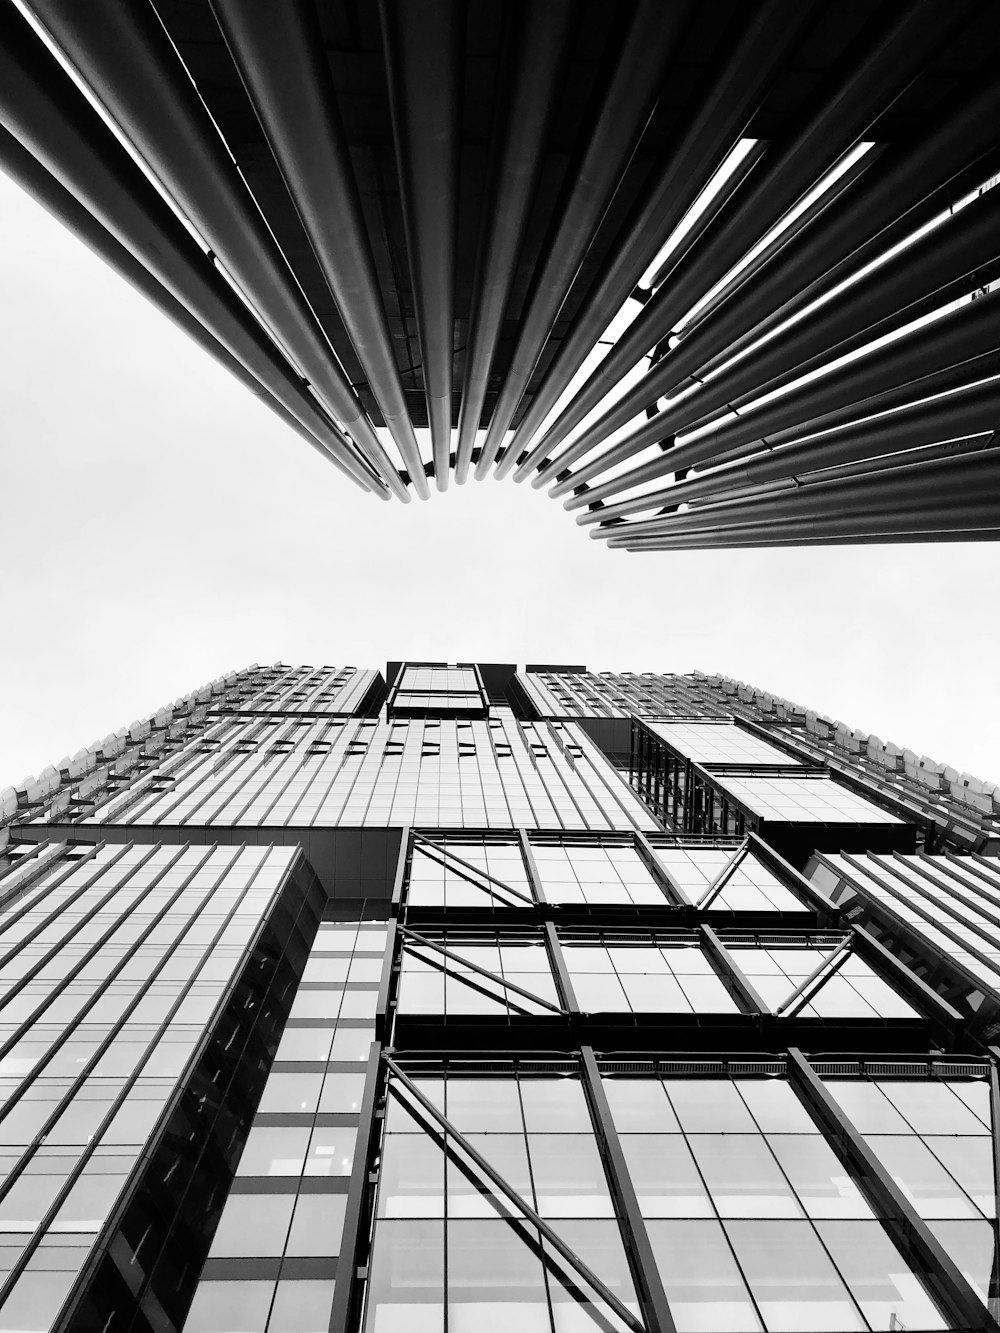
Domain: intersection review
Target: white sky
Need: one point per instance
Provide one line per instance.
(158, 528)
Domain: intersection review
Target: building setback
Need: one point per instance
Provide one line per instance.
(461, 997)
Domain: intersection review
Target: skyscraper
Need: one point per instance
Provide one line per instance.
(713, 273)
(463, 996)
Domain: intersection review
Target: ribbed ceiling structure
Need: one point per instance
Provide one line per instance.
(717, 272)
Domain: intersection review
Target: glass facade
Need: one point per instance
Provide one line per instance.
(483, 996)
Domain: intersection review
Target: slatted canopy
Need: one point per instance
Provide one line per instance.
(717, 273)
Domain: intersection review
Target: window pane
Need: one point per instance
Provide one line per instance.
(291, 1092)
(931, 1108)
(488, 1104)
(792, 1279)
(230, 1307)
(575, 1308)
(639, 1104)
(973, 1246)
(703, 1284)
(665, 1176)
(569, 1176)
(301, 1307)
(921, 1176)
(775, 1107)
(331, 1150)
(888, 1292)
(318, 1224)
(274, 1151)
(406, 1278)
(470, 1191)
(494, 1278)
(342, 1092)
(411, 1179)
(969, 1158)
(818, 1177)
(866, 1107)
(742, 1176)
(554, 1105)
(709, 1106)
(253, 1224)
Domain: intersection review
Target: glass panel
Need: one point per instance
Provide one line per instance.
(331, 1150)
(494, 1278)
(253, 1224)
(274, 1151)
(704, 1286)
(742, 1176)
(488, 1104)
(973, 1246)
(890, 1295)
(795, 1285)
(470, 1191)
(342, 1093)
(867, 1108)
(921, 1176)
(318, 1224)
(291, 1092)
(406, 1278)
(970, 1160)
(575, 1308)
(665, 1176)
(932, 1108)
(775, 1107)
(818, 1177)
(555, 1105)
(639, 1104)
(230, 1307)
(569, 1177)
(411, 1179)
(709, 1106)
(301, 1307)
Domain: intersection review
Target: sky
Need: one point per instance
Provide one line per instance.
(159, 527)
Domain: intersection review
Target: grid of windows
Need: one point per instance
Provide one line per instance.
(437, 881)
(802, 800)
(753, 1220)
(431, 983)
(721, 743)
(606, 875)
(113, 964)
(751, 887)
(952, 903)
(313, 690)
(272, 1265)
(436, 773)
(644, 978)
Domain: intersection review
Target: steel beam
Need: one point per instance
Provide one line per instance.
(723, 878)
(650, 31)
(557, 962)
(947, 1284)
(971, 330)
(281, 58)
(424, 50)
(724, 962)
(821, 973)
(645, 1272)
(884, 60)
(535, 41)
(52, 120)
(719, 118)
(354, 1242)
(123, 53)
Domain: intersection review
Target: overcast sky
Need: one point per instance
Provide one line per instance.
(158, 528)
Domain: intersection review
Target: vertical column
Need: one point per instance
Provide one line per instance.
(646, 1275)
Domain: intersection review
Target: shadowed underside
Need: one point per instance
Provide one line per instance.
(718, 274)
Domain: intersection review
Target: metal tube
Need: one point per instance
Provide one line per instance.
(825, 969)
(961, 413)
(641, 1259)
(33, 178)
(720, 956)
(958, 486)
(725, 541)
(884, 63)
(53, 121)
(424, 48)
(971, 330)
(535, 39)
(126, 58)
(629, 98)
(721, 880)
(720, 117)
(952, 253)
(511, 1195)
(281, 58)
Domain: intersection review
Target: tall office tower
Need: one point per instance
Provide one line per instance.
(713, 272)
(465, 998)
